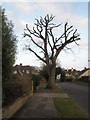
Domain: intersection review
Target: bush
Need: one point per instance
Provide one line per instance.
(63, 77)
(85, 78)
(69, 79)
(36, 81)
(11, 92)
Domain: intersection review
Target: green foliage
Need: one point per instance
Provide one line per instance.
(44, 73)
(8, 57)
(12, 91)
(36, 81)
(58, 71)
(58, 90)
(63, 77)
(69, 79)
(8, 47)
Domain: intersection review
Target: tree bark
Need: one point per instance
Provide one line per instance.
(51, 81)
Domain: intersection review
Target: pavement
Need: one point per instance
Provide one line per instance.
(41, 105)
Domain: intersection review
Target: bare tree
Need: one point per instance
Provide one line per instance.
(51, 45)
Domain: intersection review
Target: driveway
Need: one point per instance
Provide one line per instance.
(77, 92)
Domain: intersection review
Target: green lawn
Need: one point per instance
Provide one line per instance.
(58, 90)
(68, 109)
(42, 86)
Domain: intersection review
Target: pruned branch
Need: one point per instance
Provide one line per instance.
(75, 37)
(25, 34)
(69, 49)
(36, 55)
(54, 26)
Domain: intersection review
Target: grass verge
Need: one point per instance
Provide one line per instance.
(68, 109)
(58, 90)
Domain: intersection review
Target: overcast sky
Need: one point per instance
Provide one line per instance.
(75, 13)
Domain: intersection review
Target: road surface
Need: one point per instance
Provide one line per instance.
(77, 92)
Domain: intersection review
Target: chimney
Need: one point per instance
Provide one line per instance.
(20, 64)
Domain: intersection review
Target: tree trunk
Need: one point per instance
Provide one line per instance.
(51, 81)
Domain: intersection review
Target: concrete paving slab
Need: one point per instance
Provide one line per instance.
(50, 105)
(52, 95)
(38, 107)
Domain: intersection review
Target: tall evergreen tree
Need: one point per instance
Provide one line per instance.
(8, 47)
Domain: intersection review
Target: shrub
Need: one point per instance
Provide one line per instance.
(85, 78)
(36, 81)
(63, 77)
(11, 92)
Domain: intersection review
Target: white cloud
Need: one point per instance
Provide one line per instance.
(63, 13)
(84, 43)
(18, 23)
(23, 8)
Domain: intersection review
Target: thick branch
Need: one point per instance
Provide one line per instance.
(66, 33)
(33, 41)
(37, 55)
(52, 49)
(54, 26)
(45, 44)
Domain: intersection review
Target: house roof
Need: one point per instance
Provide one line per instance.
(20, 68)
(85, 72)
(72, 71)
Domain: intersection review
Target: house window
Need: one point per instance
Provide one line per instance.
(15, 72)
(27, 71)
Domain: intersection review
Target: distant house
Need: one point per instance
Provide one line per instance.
(84, 74)
(34, 70)
(25, 70)
(58, 77)
(22, 75)
(71, 74)
(21, 70)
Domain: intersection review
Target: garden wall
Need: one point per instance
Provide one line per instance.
(10, 110)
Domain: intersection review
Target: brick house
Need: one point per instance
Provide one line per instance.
(22, 75)
(21, 70)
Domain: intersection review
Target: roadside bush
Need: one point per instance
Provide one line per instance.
(63, 77)
(85, 79)
(11, 92)
(36, 81)
(69, 79)
(44, 73)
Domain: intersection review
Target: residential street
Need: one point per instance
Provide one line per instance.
(77, 92)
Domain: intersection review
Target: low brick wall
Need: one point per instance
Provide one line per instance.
(8, 111)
